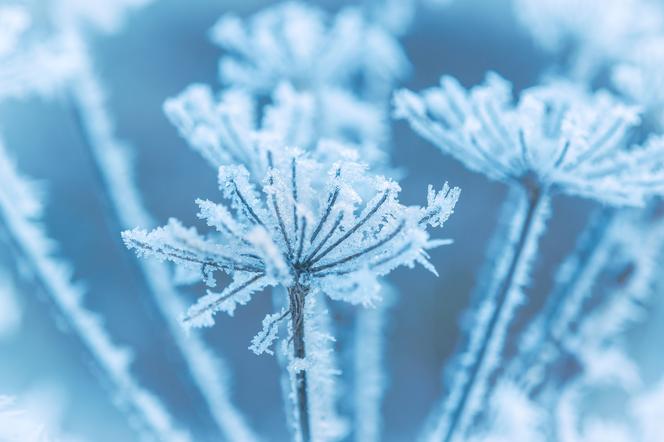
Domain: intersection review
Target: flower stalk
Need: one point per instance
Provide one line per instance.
(296, 295)
(494, 316)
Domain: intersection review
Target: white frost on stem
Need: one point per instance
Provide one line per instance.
(20, 211)
(322, 374)
(369, 367)
(478, 364)
(208, 370)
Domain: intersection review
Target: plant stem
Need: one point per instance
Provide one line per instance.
(574, 284)
(124, 209)
(297, 295)
(504, 305)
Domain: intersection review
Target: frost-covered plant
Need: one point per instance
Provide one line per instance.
(224, 129)
(302, 45)
(63, 53)
(589, 322)
(555, 139)
(597, 32)
(307, 230)
(20, 215)
(11, 311)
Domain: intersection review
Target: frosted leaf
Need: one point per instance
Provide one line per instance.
(306, 225)
(556, 136)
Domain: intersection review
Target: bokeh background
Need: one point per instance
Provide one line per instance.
(162, 48)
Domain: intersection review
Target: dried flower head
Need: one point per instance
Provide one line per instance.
(224, 129)
(299, 43)
(307, 227)
(555, 137)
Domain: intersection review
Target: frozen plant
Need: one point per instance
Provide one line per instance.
(301, 44)
(306, 230)
(224, 129)
(370, 380)
(20, 225)
(112, 160)
(595, 39)
(594, 322)
(556, 139)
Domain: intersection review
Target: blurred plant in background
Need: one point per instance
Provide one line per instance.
(300, 127)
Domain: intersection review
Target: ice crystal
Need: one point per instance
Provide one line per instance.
(20, 214)
(556, 137)
(299, 43)
(307, 225)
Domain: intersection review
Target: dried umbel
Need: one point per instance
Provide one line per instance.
(307, 230)
(225, 129)
(555, 138)
(307, 227)
(301, 44)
